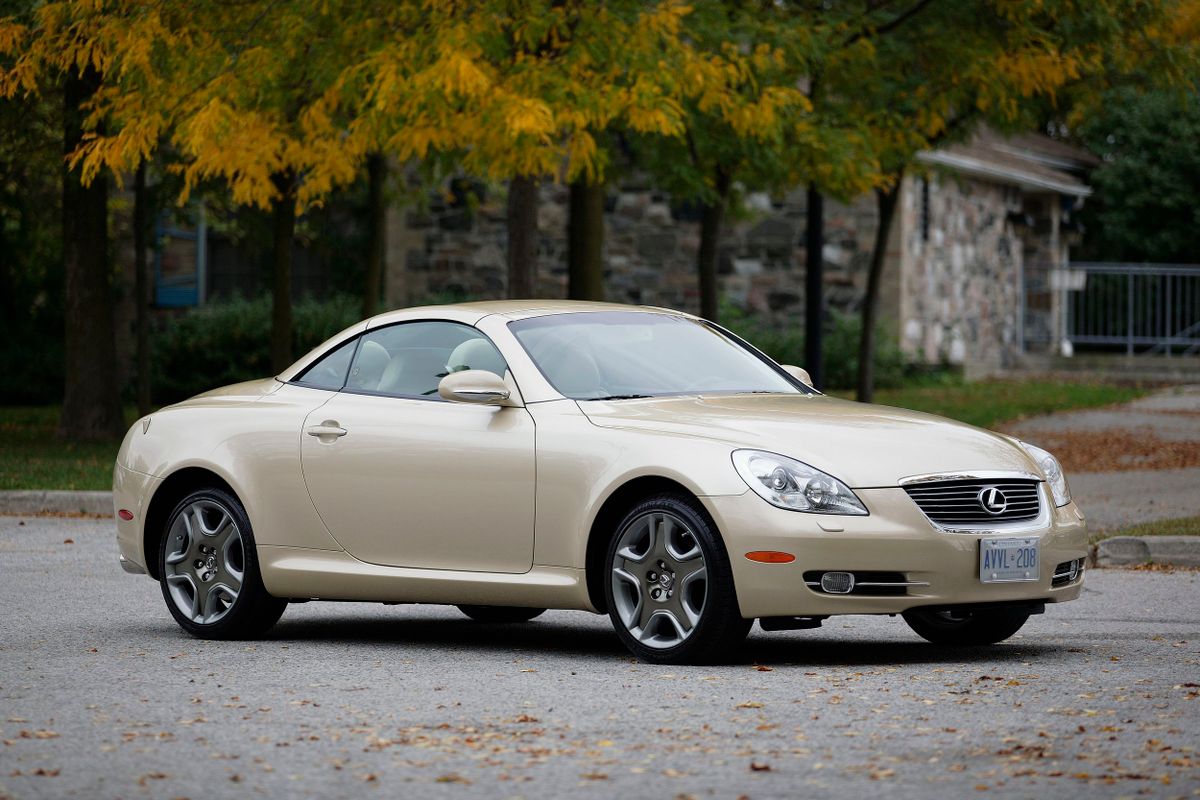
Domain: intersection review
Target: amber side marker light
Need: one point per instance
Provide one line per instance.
(125, 514)
(770, 557)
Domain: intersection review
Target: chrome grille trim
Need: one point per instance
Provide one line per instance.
(951, 501)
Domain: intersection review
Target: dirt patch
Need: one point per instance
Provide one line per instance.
(1118, 450)
(1179, 412)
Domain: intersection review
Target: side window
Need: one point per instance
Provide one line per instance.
(410, 359)
(329, 372)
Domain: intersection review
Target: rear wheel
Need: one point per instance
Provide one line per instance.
(964, 626)
(498, 614)
(209, 569)
(669, 586)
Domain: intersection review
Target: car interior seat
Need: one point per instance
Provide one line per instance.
(476, 354)
(414, 371)
(368, 368)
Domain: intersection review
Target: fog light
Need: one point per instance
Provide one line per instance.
(837, 582)
(1076, 568)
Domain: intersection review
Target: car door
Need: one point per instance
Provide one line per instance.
(403, 478)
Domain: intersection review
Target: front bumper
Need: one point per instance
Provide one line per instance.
(131, 491)
(895, 537)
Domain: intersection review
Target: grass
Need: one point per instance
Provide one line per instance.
(33, 457)
(990, 403)
(1185, 526)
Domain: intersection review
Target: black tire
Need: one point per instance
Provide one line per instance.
(501, 614)
(253, 612)
(720, 626)
(964, 627)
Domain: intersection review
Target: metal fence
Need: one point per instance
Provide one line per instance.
(1140, 308)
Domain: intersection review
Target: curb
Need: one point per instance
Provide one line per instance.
(1121, 551)
(57, 502)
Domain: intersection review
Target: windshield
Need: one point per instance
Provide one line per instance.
(623, 354)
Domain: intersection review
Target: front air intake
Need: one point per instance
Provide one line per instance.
(858, 583)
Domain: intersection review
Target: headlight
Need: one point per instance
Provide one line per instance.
(794, 485)
(1053, 472)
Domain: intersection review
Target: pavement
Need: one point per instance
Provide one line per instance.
(43, 501)
(101, 695)
(1128, 444)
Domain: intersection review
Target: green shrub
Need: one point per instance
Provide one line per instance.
(230, 341)
(785, 344)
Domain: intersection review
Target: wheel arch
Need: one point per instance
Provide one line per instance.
(615, 506)
(175, 487)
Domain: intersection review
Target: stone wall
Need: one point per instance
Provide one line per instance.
(951, 288)
(961, 259)
(649, 251)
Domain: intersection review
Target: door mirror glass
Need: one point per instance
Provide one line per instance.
(475, 386)
(799, 373)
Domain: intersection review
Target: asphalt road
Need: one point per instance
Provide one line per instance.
(101, 695)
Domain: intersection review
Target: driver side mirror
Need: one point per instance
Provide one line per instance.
(476, 386)
(799, 373)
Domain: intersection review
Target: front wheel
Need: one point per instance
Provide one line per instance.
(965, 627)
(669, 586)
(209, 569)
(501, 614)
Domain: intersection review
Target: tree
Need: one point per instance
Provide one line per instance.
(585, 240)
(750, 124)
(91, 399)
(245, 93)
(377, 170)
(954, 66)
(91, 396)
(141, 234)
(1145, 206)
(518, 91)
(522, 218)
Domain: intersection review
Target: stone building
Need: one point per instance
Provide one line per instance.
(978, 237)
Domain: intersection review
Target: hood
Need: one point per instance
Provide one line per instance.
(236, 393)
(863, 445)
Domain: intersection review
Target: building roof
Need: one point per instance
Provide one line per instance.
(1031, 162)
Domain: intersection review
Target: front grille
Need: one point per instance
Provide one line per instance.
(961, 503)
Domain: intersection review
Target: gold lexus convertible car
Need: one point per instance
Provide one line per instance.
(510, 457)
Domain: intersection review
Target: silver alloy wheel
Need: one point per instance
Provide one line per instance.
(205, 561)
(659, 579)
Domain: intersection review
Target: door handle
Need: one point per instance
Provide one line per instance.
(327, 431)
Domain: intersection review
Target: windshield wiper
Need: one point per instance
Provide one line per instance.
(621, 397)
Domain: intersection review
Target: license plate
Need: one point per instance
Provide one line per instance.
(1008, 560)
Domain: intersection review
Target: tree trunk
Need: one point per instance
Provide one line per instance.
(814, 286)
(141, 282)
(711, 217)
(376, 233)
(886, 201)
(585, 242)
(283, 228)
(522, 236)
(91, 395)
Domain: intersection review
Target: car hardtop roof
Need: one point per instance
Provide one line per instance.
(513, 309)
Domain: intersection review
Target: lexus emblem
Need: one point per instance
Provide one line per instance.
(992, 500)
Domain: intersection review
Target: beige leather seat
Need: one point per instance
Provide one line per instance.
(414, 372)
(372, 360)
(476, 354)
